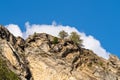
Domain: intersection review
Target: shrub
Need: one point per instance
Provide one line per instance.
(63, 34)
(101, 63)
(5, 73)
(55, 40)
(76, 38)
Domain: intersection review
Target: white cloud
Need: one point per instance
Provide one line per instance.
(93, 44)
(89, 41)
(14, 29)
(50, 29)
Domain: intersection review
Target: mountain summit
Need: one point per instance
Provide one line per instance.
(45, 57)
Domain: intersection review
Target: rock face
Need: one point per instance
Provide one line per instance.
(41, 57)
(13, 54)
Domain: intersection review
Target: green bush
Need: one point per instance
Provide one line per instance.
(55, 40)
(5, 73)
(76, 38)
(63, 34)
(101, 63)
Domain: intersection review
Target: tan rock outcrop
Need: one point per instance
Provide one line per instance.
(39, 57)
(65, 61)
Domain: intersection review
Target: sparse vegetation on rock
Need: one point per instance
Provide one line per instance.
(6, 73)
(55, 40)
(76, 38)
(50, 58)
(63, 34)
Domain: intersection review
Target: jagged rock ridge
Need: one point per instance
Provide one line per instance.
(12, 53)
(39, 58)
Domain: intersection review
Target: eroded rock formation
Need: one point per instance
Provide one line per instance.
(39, 58)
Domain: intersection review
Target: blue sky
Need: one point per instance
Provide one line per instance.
(99, 18)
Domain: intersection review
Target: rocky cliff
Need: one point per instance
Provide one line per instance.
(41, 57)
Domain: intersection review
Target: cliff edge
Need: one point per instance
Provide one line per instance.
(44, 57)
